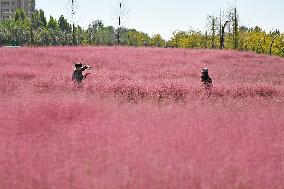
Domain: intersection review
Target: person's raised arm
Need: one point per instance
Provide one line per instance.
(85, 67)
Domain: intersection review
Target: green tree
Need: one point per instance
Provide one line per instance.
(213, 26)
(52, 23)
(65, 28)
(20, 15)
(157, 41)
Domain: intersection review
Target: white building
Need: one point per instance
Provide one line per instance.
(8, 7)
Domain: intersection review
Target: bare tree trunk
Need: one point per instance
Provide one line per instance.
(206, 39)
(272, 42)
(120, 18)
(213, 33)
(74, 6)
(74, 34)
(236, 32)
(118, 29)
(119, 24)
(222, 37)
(212, 21)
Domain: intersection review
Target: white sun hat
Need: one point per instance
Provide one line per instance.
(204, 70)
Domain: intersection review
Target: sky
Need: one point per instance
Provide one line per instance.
(166, 16)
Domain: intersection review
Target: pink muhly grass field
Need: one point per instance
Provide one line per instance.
(141, 120)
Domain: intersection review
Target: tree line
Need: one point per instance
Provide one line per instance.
(37, 31)
(223, 31)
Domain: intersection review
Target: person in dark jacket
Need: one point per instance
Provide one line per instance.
(206, 79)
(77, 76)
